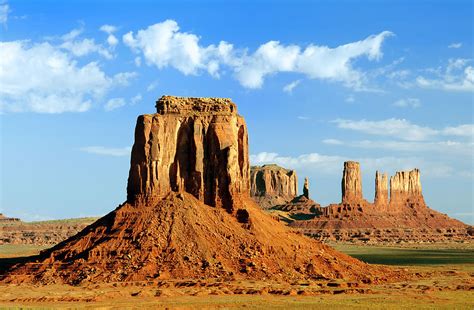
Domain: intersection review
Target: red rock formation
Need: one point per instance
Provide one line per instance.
(306, 188)
(405, 190)
(381, 191)
(188, 160)
(351, 183)
(272, 185)
(197, 145)
(5, 219)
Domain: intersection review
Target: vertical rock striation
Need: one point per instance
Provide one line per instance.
(271, 185)
(306, 188)
(196, 145)
(351, 183)
(381, 191)
(405, 189)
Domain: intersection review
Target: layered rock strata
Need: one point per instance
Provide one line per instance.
(351, 183)
(405, 189)
(272, 185)
(196, 145)
(381, 191)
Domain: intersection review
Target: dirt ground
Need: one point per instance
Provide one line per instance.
(448, 286)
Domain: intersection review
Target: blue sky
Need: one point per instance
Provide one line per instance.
(386, 83)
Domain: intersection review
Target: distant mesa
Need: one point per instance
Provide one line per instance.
(402, 216)
(272, 185)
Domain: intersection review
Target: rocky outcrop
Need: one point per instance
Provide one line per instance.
(351, 183)
(306, 188)
(189, 168)
(5, 219)
(272, 185)
(381, 191)
(196, 145)
(405, 190)
(301, 206)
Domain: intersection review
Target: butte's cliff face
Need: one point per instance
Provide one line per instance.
(351, 183)
(381, 191)
(196, 145)
(271, 185)
(405, 189)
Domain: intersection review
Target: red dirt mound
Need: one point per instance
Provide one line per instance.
(179, 237)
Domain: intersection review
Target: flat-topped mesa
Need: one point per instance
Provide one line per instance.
(381, 191)
(196, 145)
(405, 189)
(351, 183)
(271, 185)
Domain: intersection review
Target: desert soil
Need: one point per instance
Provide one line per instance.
(440, 286)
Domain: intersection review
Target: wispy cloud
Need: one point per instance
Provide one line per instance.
(399, 128)
(164, 45)
(4, 11)
(458, 75)
(439, 147)
(403, 129)
(114, 103)
(289, 87)
(455, 45)
(408, 102)
(303, 118)
(107, 151)
(332, 164)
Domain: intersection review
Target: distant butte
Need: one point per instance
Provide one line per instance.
(401, 217)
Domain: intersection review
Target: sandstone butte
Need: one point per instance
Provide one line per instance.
(404, 216)
(272, 185)
(189, 215)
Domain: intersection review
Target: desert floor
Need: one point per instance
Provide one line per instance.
(444, 279)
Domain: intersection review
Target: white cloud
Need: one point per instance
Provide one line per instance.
(112, 40)
(109, 29)
(399, 128)
(466, 130)
(101, 150)
(138, 61)
(4, 10)
(457, 76)
(289, 87)
(408, 102)
(404, 130)
(85, 47)
(455, 45)
(114, 103)
(45, 79)
(316, 62)
(82, 47)
(136, 99)
(164, 45)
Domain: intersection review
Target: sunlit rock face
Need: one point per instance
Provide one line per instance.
(196, 145)
(271, 185)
